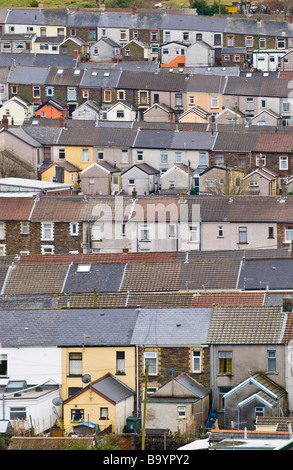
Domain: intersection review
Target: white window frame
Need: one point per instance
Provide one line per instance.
(151, 355)
(2, 249)
(47, 249)
(139, 155)
(144, 231)
(288, 231)
(85, 155)
(242, 231)
(214, 101)
(2, 231)
(193, 234)
(181, 412)
(196, 361)
(47, 231)
(164, 157)
(74, 228)
(260, 158)
(283, 162)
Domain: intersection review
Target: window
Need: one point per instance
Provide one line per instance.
(143, 97)
(104, 33)
(242, 234)
(85, 155)
(288, 234)
(225, 362)
(167, 36)
(262, 43)
(196, 361)
(71, 93)
(24, 228)
(11, 29)
(217, 39)
(230, 41)
(2, 230)
(260, 160)
(123, 35)
(17, 413)
(219, 158)
(191, 100)
(193, 234)
(221, 392)
(164, 157)
(154, 35)
(210, 182)
(92, 35)
(214, 102)
(172, 231)
(92, 181)
(203, 159)
(220, 231)
(286, 106)
(172, 184)
(249, 104)
(131, 182)
(272, 361)
(120, 362)
(73, 390)
(77, 414)
(43, 31)
(61, 153)
(74, 228)
(121, 95)
(36, 92)
(181, 412)
(242, 160)
(271, 232)
(124, 156)
(280, 43)
(156, 97)
(259, 411)
(75, 364)
(96, 231)
(47, 249)
(249, 41)
(120, 114)
(2, 250)
(186, 36)
(135, 34)
(47, 231)
(178, 157)
(178, 99)
(104, 413)
(3, 364)
(152, 359)
(139, 155)
(165, 51)
(283, 163)
(144, 233)
(44, 47)
(85, 94)
(49, 91)
(127, 52)
(100, 154)
(72, 32)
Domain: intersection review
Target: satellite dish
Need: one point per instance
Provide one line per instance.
(170, 370)
(86, 378)
(57, 401)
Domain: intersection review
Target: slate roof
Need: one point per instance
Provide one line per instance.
(94, 136)
(92, 327)
(172, 327)
(112, 388)
(235, 142)
(169, 139)
(258, 274)
(66, 78)
(152, 81)
(200, 83)
(246, 325)
(100, 277)
(100, 78)
(257, 86)
(23, 75)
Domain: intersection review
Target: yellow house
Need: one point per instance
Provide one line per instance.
(48, 39)
(62, 172)
(79, 156)
(195, 115)
(107, 402)
(16, 110)
(206, 91)
(210, 102)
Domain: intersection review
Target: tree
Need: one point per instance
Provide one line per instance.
(204, 9)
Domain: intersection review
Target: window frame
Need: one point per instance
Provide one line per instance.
(242, 234)
(47, 227)
(271, 361)
(74, 364)
(196, 357)
(153, 370)
(225, 362)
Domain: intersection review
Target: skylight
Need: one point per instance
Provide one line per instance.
(83, 268)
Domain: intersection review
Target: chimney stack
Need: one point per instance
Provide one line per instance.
(5, 123)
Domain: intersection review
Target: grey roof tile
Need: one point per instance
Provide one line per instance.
(99, 278)
(172, 327)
